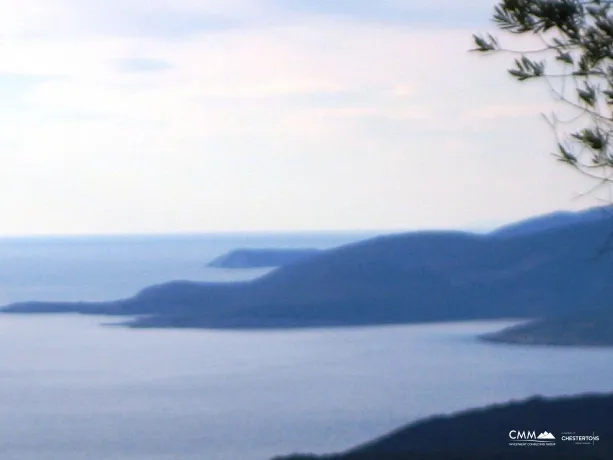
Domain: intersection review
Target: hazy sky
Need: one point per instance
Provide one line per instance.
(205, 115)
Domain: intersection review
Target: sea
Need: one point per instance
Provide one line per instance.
(73, 387)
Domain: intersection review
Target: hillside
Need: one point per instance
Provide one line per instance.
(554, 220)
(483, 434)
(590, 328)
(412, 277)
(256, 258)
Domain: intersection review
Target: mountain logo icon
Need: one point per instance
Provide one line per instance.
(545, 435)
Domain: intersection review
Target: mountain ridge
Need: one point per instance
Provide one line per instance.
(391, 279)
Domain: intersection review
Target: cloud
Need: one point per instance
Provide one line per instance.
(505, 111)
(401, 13)
(141, 65)
(258, 115)
(228, 67)
(135, 18)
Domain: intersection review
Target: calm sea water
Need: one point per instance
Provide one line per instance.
(72, 389)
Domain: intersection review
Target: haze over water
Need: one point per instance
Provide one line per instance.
(110, 267)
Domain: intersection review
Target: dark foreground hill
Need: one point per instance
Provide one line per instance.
(256, 258)
(590, 328)
(484, 434)
(413, 277)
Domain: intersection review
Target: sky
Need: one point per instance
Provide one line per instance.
(164, 116)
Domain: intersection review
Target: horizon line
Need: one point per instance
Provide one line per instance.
(473, 229)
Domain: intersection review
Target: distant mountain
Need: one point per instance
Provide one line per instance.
(589, 328)
(484, 434)
(554, 220)
(256, 258)
(405, 278)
